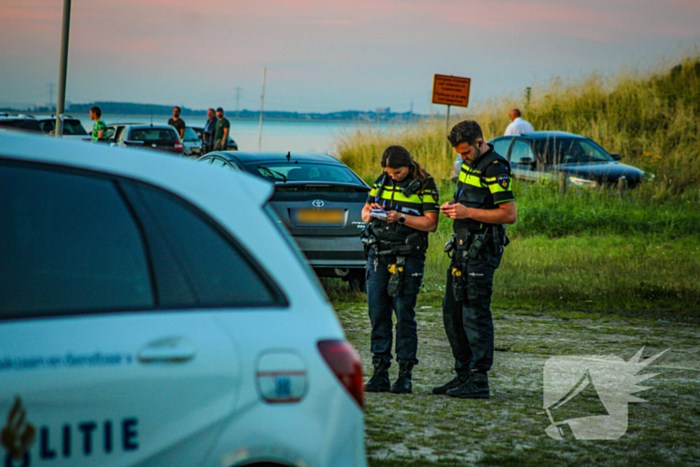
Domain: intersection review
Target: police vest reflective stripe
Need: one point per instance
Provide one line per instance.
(474, 190)
(393, 197)
(395, 194)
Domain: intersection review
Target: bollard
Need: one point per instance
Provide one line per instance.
(621, 185)
(562, 183)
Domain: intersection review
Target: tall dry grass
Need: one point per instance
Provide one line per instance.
(651, 118)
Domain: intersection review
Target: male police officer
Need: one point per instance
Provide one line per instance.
(482, 204)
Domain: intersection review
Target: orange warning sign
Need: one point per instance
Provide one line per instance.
(451, 90)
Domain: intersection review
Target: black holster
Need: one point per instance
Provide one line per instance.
(396, 282)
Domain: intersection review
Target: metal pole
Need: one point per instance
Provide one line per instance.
(60, 107)
(262, 104)
(447, 131)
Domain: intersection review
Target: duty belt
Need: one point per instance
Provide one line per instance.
(465, 245)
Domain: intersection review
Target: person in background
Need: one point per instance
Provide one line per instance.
(483, 202)
(177, 123)
(517, 124)
(209, 132)
(98, 129)
(402, 208)
(222, 128)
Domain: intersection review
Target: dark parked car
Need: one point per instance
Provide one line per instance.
(542, 154)
(72, 128)
(232, 145)
(319, 199)
(132, 135)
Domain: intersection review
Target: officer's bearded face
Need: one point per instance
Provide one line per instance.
(467, 151)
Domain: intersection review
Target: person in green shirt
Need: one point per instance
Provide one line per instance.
(222, 129)
(98, 129)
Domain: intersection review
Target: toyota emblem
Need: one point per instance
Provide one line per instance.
(318, 203)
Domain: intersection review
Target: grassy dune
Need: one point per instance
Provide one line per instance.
(588, 250)
(651, 119)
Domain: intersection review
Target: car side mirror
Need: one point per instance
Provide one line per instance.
(616, 156)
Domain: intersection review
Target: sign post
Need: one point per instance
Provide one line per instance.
(449, 91)
(60, 107)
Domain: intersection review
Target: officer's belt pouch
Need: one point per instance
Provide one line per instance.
(462, 239)
(457, 284)
(395, 284)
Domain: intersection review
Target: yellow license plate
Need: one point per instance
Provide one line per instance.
(319, 216)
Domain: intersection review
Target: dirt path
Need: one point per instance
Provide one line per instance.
(508, 429)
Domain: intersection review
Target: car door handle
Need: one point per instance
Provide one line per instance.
(168, 350)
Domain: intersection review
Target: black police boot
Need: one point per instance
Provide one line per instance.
(403, 383)
(476, 387)
(379, 382)
(457, 381)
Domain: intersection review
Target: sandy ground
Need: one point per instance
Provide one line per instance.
(509, 429)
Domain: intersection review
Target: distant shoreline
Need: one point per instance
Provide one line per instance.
(109, 116)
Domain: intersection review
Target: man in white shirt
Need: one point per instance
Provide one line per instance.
(517, 124)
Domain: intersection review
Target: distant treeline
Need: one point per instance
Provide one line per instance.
(130, 108)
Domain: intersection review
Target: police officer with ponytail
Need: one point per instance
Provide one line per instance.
(482, 203)
(401, 209)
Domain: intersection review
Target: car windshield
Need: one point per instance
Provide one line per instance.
(570, 151)
(304, 172)
(190, 135)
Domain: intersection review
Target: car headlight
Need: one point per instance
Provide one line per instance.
(583, 182)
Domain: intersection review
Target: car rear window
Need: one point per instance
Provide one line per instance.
(28, 124)
(303, 172)
(195, 264)
(153, 134)
(70, 127)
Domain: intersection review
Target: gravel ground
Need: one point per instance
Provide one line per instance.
(508, 429)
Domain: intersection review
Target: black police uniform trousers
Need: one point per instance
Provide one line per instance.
(468, 323)
(382, 307)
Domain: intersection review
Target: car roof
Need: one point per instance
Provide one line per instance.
(246, 157)
(179, 175)
(145, 125)
(547, 135)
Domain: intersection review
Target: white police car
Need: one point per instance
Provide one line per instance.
(147, 320)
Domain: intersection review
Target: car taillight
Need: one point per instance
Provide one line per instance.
(345, 363)
(178, 146)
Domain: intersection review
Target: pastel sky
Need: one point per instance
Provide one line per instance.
(327, 55)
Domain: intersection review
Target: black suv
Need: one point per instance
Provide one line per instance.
(541, 154)
(45, 125)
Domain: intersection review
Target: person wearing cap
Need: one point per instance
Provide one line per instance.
(222, 128)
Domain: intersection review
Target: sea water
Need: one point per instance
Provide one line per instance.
(295, 136)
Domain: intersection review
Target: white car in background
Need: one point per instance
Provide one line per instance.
(191, 143)
(147, 320)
